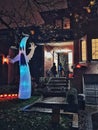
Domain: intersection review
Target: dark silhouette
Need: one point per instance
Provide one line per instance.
(60, 69)
(53, 70)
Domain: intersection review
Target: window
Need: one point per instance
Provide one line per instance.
(95, 49)
(83, 49)
(66, 23)
(58, 23)
(63, 23)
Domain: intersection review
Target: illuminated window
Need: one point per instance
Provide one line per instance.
(65, 23)
(94, 49)
(83, 47)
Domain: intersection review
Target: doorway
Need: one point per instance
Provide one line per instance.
(59, 53)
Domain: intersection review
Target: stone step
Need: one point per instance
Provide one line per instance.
(58, 81)
(54, 94)
(57, 85)
(61, 87)
(59, 78)
(62, 105)
(56, 91)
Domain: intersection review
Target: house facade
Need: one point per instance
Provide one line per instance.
(77, 53)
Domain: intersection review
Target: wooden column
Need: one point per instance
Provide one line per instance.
(76, 51)
(89, 49)
(11, 70)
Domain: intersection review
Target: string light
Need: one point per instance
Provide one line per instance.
(87, 9)
(5, 60)
(92, 2)
(78, 66)
(7, 96)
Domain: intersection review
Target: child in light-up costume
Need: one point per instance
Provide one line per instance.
(25, 77)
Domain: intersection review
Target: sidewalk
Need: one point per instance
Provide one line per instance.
(85, 120)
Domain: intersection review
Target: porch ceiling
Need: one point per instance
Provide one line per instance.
(60, 44)
(59, 47)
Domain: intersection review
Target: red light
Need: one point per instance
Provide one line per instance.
(13, 95)
(70, 75)
(9, 95)
(1, 95)
(5, 95)
(78, 66)
(16, 95)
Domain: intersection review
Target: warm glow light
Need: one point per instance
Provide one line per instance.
(13, 95)
(5, 95)
(78, 66)
(5, 60)
(62, 50)
(83, 47)
(8, 96)
(92, 2)
(70, 75)
(87, 9)
(95, 48)
(48, 55)
(16, 95)
(1, 95)
(32, 32)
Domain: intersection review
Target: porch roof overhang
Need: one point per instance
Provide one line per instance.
(54, 36)
(51, 16)
(20, 13)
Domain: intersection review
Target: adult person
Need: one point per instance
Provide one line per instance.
(53, 70)
(60, 69)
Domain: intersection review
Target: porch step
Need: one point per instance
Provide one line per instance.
(55, 106)
(57, 86)
(50, 103)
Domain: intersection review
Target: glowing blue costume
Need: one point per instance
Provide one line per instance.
(25, 77)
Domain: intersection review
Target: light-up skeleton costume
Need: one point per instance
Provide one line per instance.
(25, 77)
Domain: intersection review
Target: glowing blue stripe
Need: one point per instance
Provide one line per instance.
(23, 69)
(23, 42)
